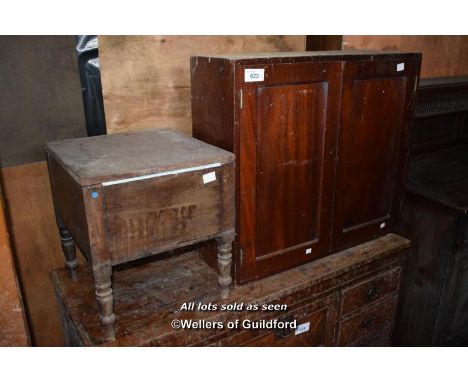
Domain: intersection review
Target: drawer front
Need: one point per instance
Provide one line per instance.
(147, 216)
(370, 290)
(318, 320)
(367, 323)
(380, 339)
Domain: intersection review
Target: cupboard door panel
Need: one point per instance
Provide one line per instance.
(291, 125)
(370, 135)
(375, 116)
(288, 132)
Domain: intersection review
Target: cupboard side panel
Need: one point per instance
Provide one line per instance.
(213, 108)
(213, 102)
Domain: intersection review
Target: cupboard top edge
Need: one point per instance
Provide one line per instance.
(314, 55)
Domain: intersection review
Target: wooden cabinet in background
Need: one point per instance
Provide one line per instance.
(434, 297)
(321, 143)
(346, 299)
(440, 115)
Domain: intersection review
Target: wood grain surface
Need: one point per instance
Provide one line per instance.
(150, 296)
(284, 132)
(104, 158)
(285, 146)
(35, 241)
(373, 148)
(13, 326)
(146, 79)
(442, 55)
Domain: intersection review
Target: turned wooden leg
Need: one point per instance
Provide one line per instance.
(104, 295)
(68, 246)
(224, 243)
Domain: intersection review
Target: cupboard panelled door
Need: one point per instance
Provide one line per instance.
(288, 134)
(377, 104)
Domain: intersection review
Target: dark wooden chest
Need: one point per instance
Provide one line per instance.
(346, 299)
(126, 196)
(321, 142)
(434, 300)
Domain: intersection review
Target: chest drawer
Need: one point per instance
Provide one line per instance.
(317, 319)
(381, 339)
(367, 323)
(370, 290)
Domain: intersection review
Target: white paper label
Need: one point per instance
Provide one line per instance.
(308, 251)
(302, 328)
(382, 225)
(400, 67)
(254, 75)
(210, 177)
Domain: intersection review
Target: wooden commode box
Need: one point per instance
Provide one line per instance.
(126, 196)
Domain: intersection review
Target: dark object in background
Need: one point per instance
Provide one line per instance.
(347, 299)
(305, 187)
(321, 42)
(90, 78)
(434, 296)
(40, 96)
(441, 114)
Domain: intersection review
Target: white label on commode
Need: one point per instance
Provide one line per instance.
(254, 75)
(210, 177)
(400, 67)
(382, 225)
(308, 251)
(302, 328)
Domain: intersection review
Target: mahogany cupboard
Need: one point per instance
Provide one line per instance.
(321, 144)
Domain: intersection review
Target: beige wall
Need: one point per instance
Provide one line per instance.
(442, 55)
(146, 79)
